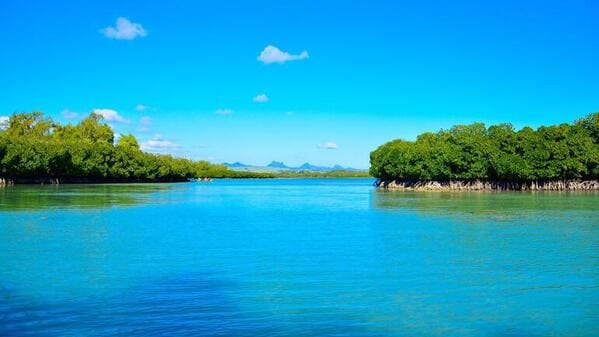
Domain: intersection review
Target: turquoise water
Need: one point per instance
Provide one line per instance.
(295, 258)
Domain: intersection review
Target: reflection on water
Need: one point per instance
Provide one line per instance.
(296, 258)
(35, 197)
(501, 205)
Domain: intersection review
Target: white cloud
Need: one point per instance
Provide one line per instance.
(328, 146)
(68, 114)
(224, 112)
(289, 113)
(124, 30)
(260, 98)
(110, 115)
(272, 54)
(4, 122)
(159, 145)
(141, 108)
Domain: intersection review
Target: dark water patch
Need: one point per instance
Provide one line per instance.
(186, 305)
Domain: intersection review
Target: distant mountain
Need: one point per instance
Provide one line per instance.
(310, 167)
(236, 165)
(277, 165)
(342, 168)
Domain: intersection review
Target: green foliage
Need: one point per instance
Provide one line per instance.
(467, 152)
(591, 124)
(34, 147)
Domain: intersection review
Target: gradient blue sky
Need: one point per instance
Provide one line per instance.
(376, 70)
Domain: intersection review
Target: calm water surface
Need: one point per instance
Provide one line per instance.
(295, 258)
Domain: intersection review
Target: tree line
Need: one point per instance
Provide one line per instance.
(495, 153)
(36, 148)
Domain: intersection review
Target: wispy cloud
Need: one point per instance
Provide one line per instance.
(224, 112)
(124, 30)
(159, 145)
(4, 122)
(289, 113)
(145, 123)
(272, 54)
(68, 114)
(110, 115)
(328, 146)
(141, 108)
(260, 98)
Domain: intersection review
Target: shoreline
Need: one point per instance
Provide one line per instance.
(67, 181)
(487, 185)
(91, 181)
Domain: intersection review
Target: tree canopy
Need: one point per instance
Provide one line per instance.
(498, 152)
(36, 147)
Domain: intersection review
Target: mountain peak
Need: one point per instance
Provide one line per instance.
(236, 165)
(277, 164)
(310, 167)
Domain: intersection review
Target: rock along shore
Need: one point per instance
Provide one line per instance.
(482, 185)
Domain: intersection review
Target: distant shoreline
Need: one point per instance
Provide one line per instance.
(488, 185)
(91, 181)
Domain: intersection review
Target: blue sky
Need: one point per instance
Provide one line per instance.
(183, 75)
